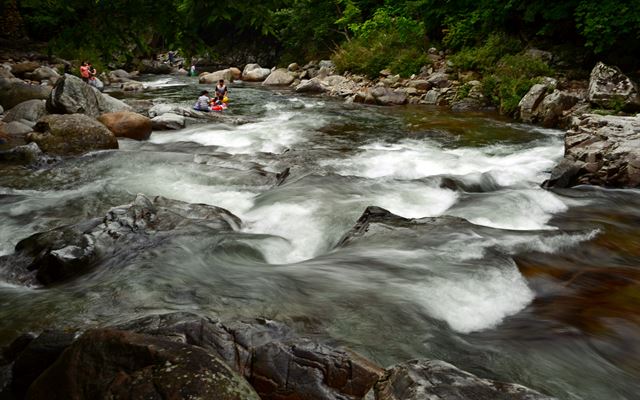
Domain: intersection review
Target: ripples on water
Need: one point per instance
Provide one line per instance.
(543, 292)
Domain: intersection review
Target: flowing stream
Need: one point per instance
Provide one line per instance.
(547, 294)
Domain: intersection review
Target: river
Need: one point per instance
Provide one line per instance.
(545, 292)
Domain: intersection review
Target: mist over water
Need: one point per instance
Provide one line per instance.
(473, 294)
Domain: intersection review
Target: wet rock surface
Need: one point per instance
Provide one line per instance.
(600, 150)
(127, 124)
(434, 379)
(63, 253)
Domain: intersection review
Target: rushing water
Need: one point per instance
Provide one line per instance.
(546, 294)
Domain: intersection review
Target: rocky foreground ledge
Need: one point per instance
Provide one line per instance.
(185, 356)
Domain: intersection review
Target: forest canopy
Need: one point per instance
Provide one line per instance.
(356, 30)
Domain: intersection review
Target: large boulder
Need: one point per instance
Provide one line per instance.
(125, 232)
(236, 73)
(73, 96)
(279, 77)
(600, 150)
(127, 124)
(71, 134)
(278, 363)
(13, 92)
(214, 77)
(30, 110)
(435, 379)
(109, 363)
(119, 75)
(255, 73)
(610, 88)
(552, 108)
(29, 154)
(530, 102)
(16, 128)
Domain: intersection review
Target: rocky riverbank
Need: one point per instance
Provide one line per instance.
(185, 356)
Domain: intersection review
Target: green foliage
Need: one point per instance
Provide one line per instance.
(377, 43)
(485, 57)
(607, 23)
(512, 79)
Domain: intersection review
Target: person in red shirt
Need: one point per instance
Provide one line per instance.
(85, 73)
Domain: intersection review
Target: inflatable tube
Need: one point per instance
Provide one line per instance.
(219, 107)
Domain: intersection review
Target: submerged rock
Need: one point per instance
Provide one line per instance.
(69, 251)
(168, 121)
(71, 135)
(600, 150)
(434, 379)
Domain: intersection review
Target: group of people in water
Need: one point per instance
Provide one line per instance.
(217, 102)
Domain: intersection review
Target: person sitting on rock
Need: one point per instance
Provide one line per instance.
(203, 102)
(221, 91)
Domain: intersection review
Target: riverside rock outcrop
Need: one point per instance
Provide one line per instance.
(71, 134)
(600, 150)
(610, 88)
(14, 91)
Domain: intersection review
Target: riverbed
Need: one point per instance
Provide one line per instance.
(542, 290)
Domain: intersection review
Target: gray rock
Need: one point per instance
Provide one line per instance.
(314, 85)
(30, 110)
(386, 96)
(214, 77)
(168, 121)
(553, 106)
(420, 84)
(610, 88)
(255, 73)
(1, 110)
(530, 102)
(71, 134)
(132, 86)
(125, 231)
(279, 77)
(600, 150)
(439, 79)
(16, 128)
(14, 91)
(108, 104)
(44, 73)
(293, 67)
(23, 155)
(435, 379)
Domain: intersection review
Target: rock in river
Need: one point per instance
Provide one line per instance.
(66, 252)
(127, 124)
(71, 134)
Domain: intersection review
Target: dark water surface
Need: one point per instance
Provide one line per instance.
(547, 294)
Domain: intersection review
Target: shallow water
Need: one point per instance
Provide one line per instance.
(544, 292)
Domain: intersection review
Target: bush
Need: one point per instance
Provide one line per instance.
(485, 57)
(384, 41)
(511, 80)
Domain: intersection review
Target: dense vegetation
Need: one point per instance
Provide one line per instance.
(362, 36)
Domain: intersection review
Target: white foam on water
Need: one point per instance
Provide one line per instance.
(415, 200)
(274, 134)
(163, 82)
(521, 209)
(299, 223)
(413, 159)
(470, 302)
